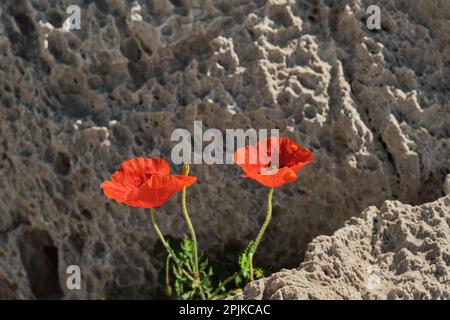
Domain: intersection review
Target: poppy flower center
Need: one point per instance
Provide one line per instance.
(148, 175)
(144, 178)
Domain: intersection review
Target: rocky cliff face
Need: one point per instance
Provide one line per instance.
(372, 105)
(395, 252)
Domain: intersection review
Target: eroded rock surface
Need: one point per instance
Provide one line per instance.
(395, 252)
(372, 105)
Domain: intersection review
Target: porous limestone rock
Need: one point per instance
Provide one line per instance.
(446, 186)
(373, 106)
(395, 252)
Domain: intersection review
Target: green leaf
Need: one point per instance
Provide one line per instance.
(189, 286)
(244, 261)
(238, 281)
(258, 273)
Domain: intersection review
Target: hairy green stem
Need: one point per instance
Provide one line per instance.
(166, 244)
(168, 287)
(261, 232)
(191, 228)
(223, 284)
(194, 241)
(185, 172)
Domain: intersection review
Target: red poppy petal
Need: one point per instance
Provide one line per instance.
(134, 172)
(156, 165)
(240, 156)
(249, 159)
(278, 178)
(114, 191)
(293, 155)
(305, 157)
(291, 159)
(185, 181)
(157, 190)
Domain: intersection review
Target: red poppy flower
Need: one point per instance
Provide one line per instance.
(144, 182)
(258, 163)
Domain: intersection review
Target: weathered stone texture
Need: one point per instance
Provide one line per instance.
(372, 105)
(395, 252)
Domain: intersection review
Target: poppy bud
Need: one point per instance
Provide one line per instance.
(185, 170)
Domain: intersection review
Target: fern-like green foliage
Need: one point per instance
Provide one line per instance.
(244, 263)
(193, 285)
(189, 285)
